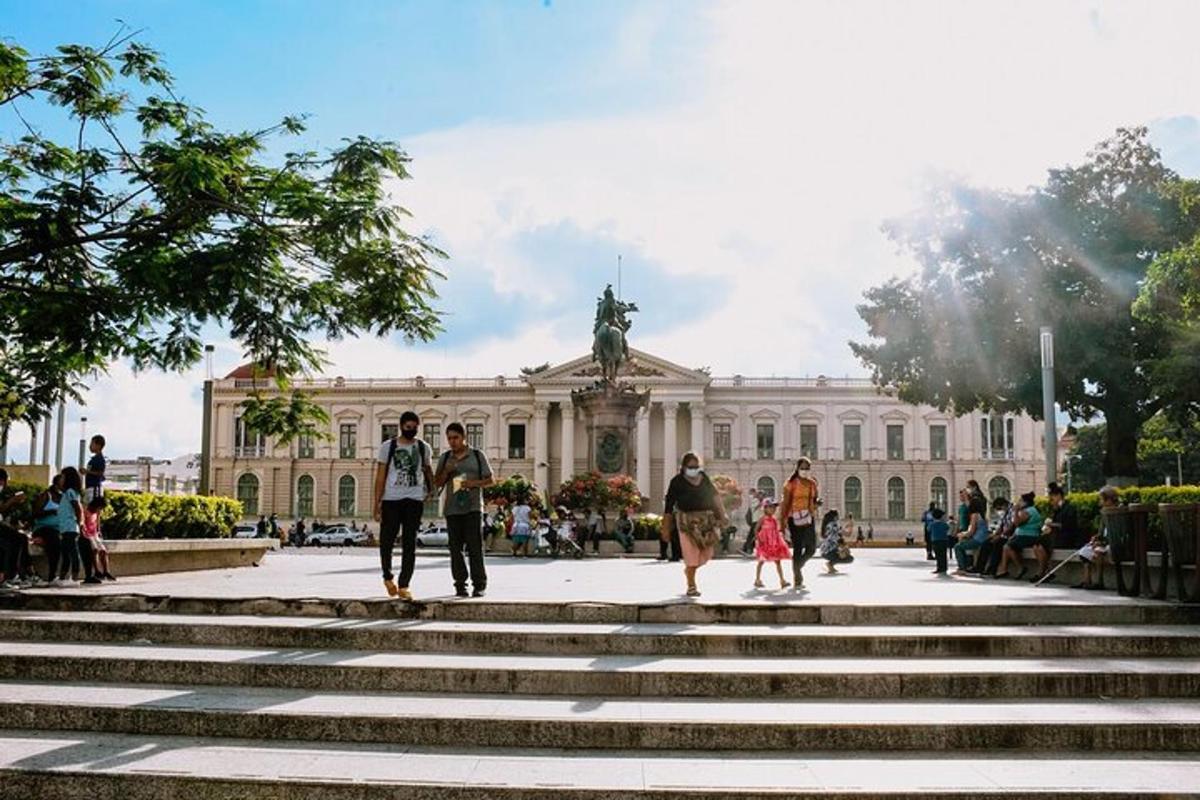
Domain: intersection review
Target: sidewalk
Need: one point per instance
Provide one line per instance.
(891, 577)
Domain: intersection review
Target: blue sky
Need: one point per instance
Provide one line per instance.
(739, 156)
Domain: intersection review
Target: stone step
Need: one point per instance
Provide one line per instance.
(608, 676)
(607, 639)
(590, 722)
(139, 767)
(786, 610)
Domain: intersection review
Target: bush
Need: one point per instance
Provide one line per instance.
(646, 527)
(592, 490)
(136, 515)
(1087, 504)
(510, 490)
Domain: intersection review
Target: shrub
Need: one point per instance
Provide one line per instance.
(592, 490)
(647, 526)
(136, 515)
(508, 491)
(1087, 504)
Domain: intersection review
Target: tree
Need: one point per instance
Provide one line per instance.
(121, 239)
(962, 333)
(1164, 448)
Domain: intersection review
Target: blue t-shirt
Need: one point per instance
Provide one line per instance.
(68, 522)
(95, 464)
(939, 530)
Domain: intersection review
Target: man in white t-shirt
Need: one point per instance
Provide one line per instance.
(403, 482)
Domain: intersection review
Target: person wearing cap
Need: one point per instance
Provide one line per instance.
(797, 515)
(769, 545)
(1060, 531)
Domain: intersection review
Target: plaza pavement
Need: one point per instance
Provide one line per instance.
(878, 577)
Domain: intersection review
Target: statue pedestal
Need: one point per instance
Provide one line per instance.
(610, 411)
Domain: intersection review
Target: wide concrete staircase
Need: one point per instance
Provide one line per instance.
(136, 697)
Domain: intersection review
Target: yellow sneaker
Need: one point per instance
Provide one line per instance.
(404, 593)
(390, 585)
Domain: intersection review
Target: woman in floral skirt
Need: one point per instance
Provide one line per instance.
(694, 509)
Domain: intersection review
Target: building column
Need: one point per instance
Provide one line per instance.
(541, 453)
(643, 451)
(697, 412)
(46, 442)
(670, 440)
(33, 434)
(567, 468)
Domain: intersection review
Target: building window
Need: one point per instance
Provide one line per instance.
(852, 497)
(304, 496)
(389, 431)
(895, 498)
(939, 493)
(475, 435)
(306, 445)
(937, 442)
(808, 441)
(247, 443)
(722, 441)
(766, 442)
(516, 441)
(996, 437)
(895, 442)
(766, 486)
(433, 437)
(247, 494)
(348, 441)
(999, 487)
(852, 442)
(346, 504)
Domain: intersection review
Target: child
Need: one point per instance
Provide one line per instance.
(92, 551)
(769, 545)
(939, 538)
(93, 476)
(833, 547)
(70, 513)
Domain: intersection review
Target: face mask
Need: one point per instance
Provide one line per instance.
(410, 433)
(692, 472)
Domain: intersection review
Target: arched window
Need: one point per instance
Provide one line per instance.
(247, 493)
(346, 504)
(895, 498)
(852, 499)
(766, 486)
(999, 487)
(939, 493)
(304, 496)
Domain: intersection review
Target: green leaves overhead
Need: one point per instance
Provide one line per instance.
(115, 248)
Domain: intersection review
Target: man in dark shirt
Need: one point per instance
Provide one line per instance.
(1061, 531)
(93, 476)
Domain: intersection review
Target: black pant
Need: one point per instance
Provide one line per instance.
(466, 531)
(676, 549)
(87, 554)
(751, 536)
(939, 552)
(69, 555)
(401, 517)
(16, 552)
(52, 545)
(990, 554)
(594, 536)
(804, 546)
(928, 544)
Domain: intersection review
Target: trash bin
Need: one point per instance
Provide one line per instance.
(1127, 544)
(1181, 530)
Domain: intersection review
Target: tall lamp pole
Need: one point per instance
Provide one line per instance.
(1051, 435)
(82, 440)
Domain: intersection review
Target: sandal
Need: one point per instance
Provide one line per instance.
(784, 584)
(693, 591)
(758, 584)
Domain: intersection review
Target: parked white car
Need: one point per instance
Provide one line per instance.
(433, 535)
(245, 530)
(338, 535)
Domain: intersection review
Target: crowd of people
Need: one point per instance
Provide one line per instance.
(63, 521)
(991, 540)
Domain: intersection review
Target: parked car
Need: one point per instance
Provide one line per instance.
(245, 530)
(433, 535)
(335, 535)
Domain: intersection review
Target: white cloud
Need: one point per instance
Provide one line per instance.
(807, 125)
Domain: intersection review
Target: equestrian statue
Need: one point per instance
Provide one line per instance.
(609, 347)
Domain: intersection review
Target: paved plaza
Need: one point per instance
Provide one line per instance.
(878, 577)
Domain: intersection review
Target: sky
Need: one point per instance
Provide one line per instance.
(739, 157)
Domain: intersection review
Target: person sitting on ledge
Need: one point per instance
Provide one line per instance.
(1027, 526)
(1095, 551)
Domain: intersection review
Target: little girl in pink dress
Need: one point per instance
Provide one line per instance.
(770, 546)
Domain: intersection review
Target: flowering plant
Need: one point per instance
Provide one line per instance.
(592, 490)
(511, 491)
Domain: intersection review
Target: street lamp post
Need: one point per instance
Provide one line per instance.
(1051, 435)
(82, 441)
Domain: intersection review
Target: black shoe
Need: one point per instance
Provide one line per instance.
(929, 557)
(92, 579)
(478, 593)
(461, 592)
(1095, 587)
(1022, 573)
(108, 576)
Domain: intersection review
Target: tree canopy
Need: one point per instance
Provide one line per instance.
(995, 266)
(140, 222)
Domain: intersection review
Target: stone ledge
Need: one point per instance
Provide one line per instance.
(129, 557)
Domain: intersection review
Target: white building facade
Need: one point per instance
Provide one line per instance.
(876, 457)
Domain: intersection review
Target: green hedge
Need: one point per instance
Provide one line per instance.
(136, 515)
(646, 527)
(1087, 504)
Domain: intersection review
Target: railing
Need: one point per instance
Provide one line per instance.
(250, 451)
(380, 383)
(997, 454)
(791, 383)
